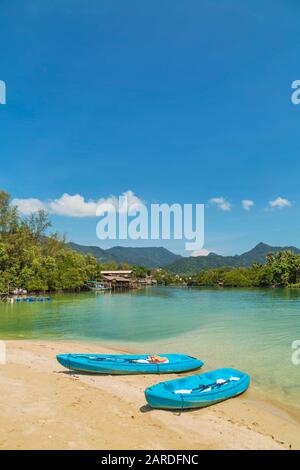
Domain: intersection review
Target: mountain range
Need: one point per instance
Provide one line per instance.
(150, 257)
(258, 254)
(159, 257)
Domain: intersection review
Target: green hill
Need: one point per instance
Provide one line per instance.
(150, 257)
(258, 255)
(96, 251)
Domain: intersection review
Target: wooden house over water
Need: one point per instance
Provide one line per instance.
(118, 279)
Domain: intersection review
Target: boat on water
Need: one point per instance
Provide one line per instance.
(32, 299)
(198, 391)
(96, 286)
(129, 363)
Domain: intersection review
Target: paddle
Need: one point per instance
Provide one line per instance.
(217, 383)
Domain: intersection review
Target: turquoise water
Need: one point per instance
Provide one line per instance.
(249, 329)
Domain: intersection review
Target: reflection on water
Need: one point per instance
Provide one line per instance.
(250, 329)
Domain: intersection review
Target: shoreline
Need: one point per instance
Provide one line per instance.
(121, 348)
(62, 410)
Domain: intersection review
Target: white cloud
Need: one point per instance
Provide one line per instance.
(221, 203)
(202, 252)
(247, 204)
(280, 203)
(28, 206)
(72, 206)
(75, 205)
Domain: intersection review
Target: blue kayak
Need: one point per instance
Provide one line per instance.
(198, 391)
(128, 364)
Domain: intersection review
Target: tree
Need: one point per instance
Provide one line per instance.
(235, 278)
(38, 224)
(9, 218)
(4, 211)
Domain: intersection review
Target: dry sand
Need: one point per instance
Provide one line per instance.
(43, 406)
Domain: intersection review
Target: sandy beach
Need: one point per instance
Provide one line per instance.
(43, 406)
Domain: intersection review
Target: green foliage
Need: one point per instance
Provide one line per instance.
(281, 269)
(167, 278)
(32, 259)
(37, 224)
(235, 278)
(140, 272)
(285, 267)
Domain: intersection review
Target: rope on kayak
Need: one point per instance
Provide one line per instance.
(110, 359)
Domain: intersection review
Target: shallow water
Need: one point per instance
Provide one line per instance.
(248, 329)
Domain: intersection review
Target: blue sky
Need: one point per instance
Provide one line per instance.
(175, 101)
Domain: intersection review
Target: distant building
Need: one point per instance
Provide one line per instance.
(124, 273)
(147, 281)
